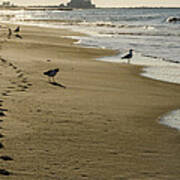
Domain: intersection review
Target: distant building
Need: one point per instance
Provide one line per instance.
(82, 4)
(6, 3)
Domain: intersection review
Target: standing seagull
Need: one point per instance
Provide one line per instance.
(128, 56)
(17, 30)
(51, 73)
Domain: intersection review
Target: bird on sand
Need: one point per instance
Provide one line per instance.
(128, 56)
(15, 33)
(51, 73)
(17, 29)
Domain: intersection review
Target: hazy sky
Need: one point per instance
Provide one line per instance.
(104, 3)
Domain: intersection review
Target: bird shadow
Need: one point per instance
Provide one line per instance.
(57, 84)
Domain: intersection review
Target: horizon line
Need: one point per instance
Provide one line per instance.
(110, 6)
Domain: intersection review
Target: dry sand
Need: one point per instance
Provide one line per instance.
(102, 126)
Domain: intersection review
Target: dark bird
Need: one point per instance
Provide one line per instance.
(128, 56)
(18, 36)
(51, 73)
(17, 29)
(10, 33)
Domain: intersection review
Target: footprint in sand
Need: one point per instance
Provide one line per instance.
(3, 60)
(20, 75)
(23, 87)
(18, 71)
(10, 64)
(1, 145)
(3, 109)
(14, 67)
(29, 84)
(20, 82)
(24, 80)
(84, 175)
(6, 158)
(8, 91)
(4, 172)
(13, 82)
(11, 87)
(1, 135)
(2, 114)
(4, 94)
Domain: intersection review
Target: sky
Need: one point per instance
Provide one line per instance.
(104, 3)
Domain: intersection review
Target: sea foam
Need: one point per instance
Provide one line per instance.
(172, 119)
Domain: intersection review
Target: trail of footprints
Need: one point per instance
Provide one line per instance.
(19, 83)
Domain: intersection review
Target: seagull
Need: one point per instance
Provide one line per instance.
(51, 73)
(128, 56)
(17, 29)
(10, 33)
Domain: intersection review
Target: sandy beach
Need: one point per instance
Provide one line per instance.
(103, 125)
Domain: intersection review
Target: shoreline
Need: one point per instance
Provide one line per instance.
(143, 72)
(151, 67)
(94, 128)
(171, 119)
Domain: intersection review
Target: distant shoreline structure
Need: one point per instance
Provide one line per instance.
(73, 4)
(36, 8)
(79, 4)
(69, 7)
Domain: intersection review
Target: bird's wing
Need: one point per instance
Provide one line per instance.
(17, 29)
(48, 72)
(125, 56)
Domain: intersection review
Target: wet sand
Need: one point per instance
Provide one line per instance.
(103, 125)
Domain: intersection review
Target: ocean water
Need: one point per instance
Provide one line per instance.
(146, 30)
(155, 41)
(172, 119)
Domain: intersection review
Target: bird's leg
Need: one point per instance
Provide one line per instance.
(9, 36)
(128, 61)
(9, 33)
(49, 79)
(53, 79)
